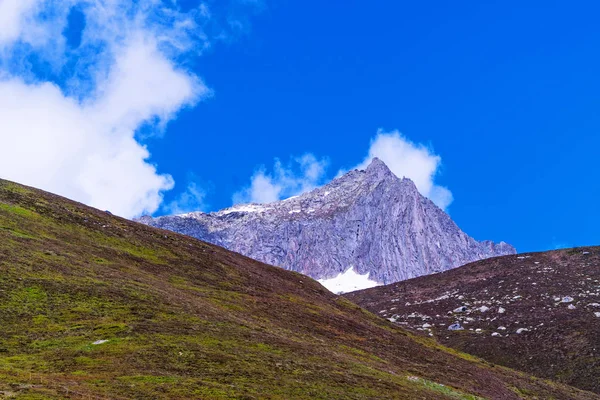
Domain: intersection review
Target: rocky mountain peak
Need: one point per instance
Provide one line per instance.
(368, 225)
(378, 169)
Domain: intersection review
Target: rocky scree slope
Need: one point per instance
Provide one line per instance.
(537, 312)
(370, 221)
(95, 306)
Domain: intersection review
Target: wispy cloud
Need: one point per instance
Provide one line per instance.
(404, 158)
(192, 199)
(300, 175)
(70, 116)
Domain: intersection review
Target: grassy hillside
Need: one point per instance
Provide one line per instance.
(93, 306)
(537, 312)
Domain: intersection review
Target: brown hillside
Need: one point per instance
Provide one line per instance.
(550, 326)
(94, 306)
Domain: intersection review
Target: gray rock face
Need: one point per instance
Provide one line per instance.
(369, 220)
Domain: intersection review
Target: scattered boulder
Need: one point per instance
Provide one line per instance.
(460, 309)
(501, 310)
(521, 330)
(455, 327)
(567, 299)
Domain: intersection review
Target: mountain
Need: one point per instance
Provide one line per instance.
(95, 306)
(537, 312)
(363, 229)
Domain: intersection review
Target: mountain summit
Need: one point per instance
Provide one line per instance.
(362, 229)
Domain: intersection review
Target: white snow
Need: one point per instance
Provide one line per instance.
(348, 281)
(294, 211)
(248, 208)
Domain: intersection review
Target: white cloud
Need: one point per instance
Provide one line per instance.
(300, 175)
(192, 199)
(404, 158)
(75, 136)
(410, 160)
(14, 15)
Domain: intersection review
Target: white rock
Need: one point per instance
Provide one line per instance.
(501, 310)
(597, 314)
(521, 330)
(501, 328)
(483, 308)
(571, 307)
(496, 334)
(567, 299)
(97, 342)
(455, 327)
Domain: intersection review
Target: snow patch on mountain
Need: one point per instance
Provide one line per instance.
(348, 281)
(243, 208)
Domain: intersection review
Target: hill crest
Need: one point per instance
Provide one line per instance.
(96, 306)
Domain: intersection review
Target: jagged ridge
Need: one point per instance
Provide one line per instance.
(369, 220)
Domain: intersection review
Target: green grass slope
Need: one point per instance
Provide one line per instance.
(175, 318)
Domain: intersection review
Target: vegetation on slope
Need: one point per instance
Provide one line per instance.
(95, 306)
(537, 312)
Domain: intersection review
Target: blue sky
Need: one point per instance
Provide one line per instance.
(505, 94)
